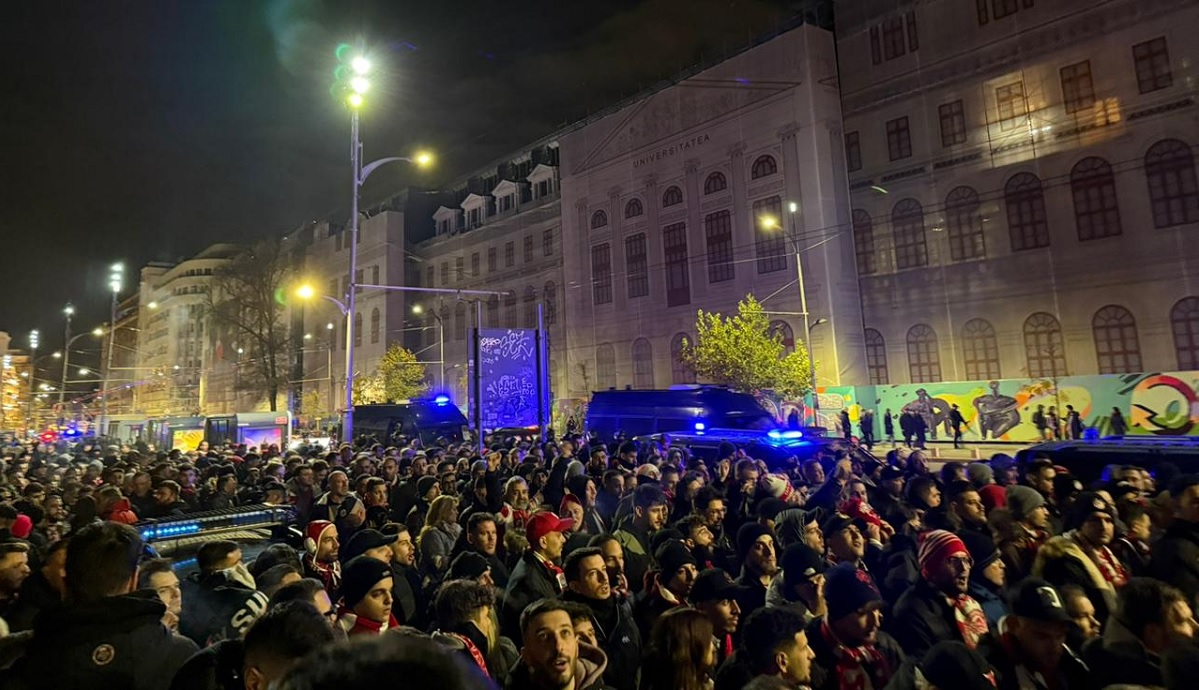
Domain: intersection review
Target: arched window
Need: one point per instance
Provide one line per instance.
(924, 360)
(643, 364)
(764, 165)
(633, 208)
(980, 350)
(510, 309)
(375, 325)
(783, 329)
(715, 183)
(1184, 321)
(1116, 344)
(907, 226)
(965, 224)
(1096, 212)
(673, 196)
(605, 367)
(863, 242)
(493, 311)
(1025, 200)
(1170, 171)
(358, 329)
(680, 370)
(550, 300)
(530, 307)
(876, 358)
(599, 219)
(1043, 346)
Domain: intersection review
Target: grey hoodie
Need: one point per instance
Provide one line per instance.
(776, 599)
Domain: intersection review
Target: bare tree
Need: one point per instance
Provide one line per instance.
(246, 303)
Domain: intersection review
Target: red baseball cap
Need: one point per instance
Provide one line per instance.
(543, 523)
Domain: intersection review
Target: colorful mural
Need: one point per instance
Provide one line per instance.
(1159, 404)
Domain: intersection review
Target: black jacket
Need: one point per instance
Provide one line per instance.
(922, 618)
(617, 634)
(824, 676)
(1118, 657)
(1175, 558)
(531, 580)
(218, 667)
(35, 597)
(118, 643)
(1072, 673)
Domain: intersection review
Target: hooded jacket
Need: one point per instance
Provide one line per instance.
(618, 635)
(116, 642)
(1061, 561)
(589, 671)
(776, 598)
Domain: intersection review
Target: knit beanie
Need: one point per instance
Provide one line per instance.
(936, 547)
(993, 496)
(468, 565)
(749, 533)
(673, 555)
(1087, 504)
(980, 474)
(314, 531)
(981, 548)
(848, 589)
(1022, 500)
(424, 484)
(359, 575)
(778, 486)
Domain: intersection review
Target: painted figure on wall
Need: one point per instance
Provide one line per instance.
(997, 413)
(934, 411)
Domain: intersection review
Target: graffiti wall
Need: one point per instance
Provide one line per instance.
(510, 379)
(1159, 404)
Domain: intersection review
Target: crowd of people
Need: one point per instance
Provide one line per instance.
(575, 565)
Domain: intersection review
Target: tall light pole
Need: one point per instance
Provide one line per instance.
(115, 276)
(771, 223)
(34, 340)
(417, 309)
(68, 311)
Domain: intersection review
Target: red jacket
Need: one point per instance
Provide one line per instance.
(122, 512)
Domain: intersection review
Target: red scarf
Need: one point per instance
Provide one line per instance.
(972, 622)
(1110, 567)
(557, 574)
(858, 668)
(329, 573)
(364, 626)
(474, 652)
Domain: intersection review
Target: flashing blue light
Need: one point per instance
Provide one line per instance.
(781, 434)
(442, 400)
(700, 426)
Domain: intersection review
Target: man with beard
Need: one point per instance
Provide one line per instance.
(14, 569)
(321, 547)
(965, 509)
(537, 574)
(515, 512)
(375, 498)
(409, 605)
(1081, 556)
(1030, 531)
(670, 587)
(938, 606)
(481, 536)
(301, 493)
(43, 589)
(709, 504)
(339, 506)
(715, 595)
(611, 615)
(649, 515)
(1028, 646)
(851, 649)
(552, 657)
(759, 564)
(801, 587)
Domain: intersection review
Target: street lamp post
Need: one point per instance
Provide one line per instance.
(68, 311)
(417, 309)
(34, 339)
(792, 207)
(114, 283)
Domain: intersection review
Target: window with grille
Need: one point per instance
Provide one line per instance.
(528, 249)
(1170, 172)
(1116, 344)
(876, 46)
(853, 151)
(474, 265)
(550, 301)
(1024, 197)
(1003, 8)
(1044, 347)
(491, 260)
(718, 231)
(1152, 62)
(680, 370)
(907, 229)
(1184, 322)
(770, 243)
(899, 138)
(445, 273)
(893, 38)
(633, 208)
(605, 367)
(375, 322)
(764, 165)
(980, 350)
(530, 307)
(1093, 187)
(863, 242)
(673, 196)
(459, 269)
(678, 278)
(601, 274)
(876, 358)
(509, 254)
(460, 321)
(599, 219)
(715, 183)
(1078, 90)
(510, 309)
(636, 265)
(953, 123)
(965, 224)
(547, 242)
(1009, 101)
(643, 364)
(782, 330)
(924, 360)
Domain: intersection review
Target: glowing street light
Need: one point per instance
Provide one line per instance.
(361, 65)
(84, 371)
(152, 305)
(305, 292)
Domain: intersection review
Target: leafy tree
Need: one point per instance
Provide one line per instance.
(244, 302)
(740, 352)
(399, 376)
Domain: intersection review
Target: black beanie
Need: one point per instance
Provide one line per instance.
(359, 575)
(749, 533)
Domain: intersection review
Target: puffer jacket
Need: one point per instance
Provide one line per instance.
(589, 671)
(1061, 561)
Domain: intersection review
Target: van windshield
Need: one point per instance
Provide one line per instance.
(741, 420)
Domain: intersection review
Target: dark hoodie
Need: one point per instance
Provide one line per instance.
(589, 671)
(617, 633)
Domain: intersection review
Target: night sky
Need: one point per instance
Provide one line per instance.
(151, 131)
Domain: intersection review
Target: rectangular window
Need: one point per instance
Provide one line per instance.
(1152, 61)
(899, 138)
(429, 277)
(876, 46)
(474, 265)
(337, 240)
(1012, 107)
(913, 38)
(718, 230)
(770, 242)
(491, 260)
(1002, 8)
(374, 275)
(358, 279)
(636, 265)
(1078, 91)
(459, 269)
(505, 203)
(678, 278)
(853, 151)
(601, 274)
(509, 254)
(528, 247)
(953, 123)
(893, 44)
(547, 243)
(333, 286)
(345, 285)
(983, 15)
(445, 273)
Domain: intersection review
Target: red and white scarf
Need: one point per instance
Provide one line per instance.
(972, 622)
(858, 668)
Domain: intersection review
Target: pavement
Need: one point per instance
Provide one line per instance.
(943, 451)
